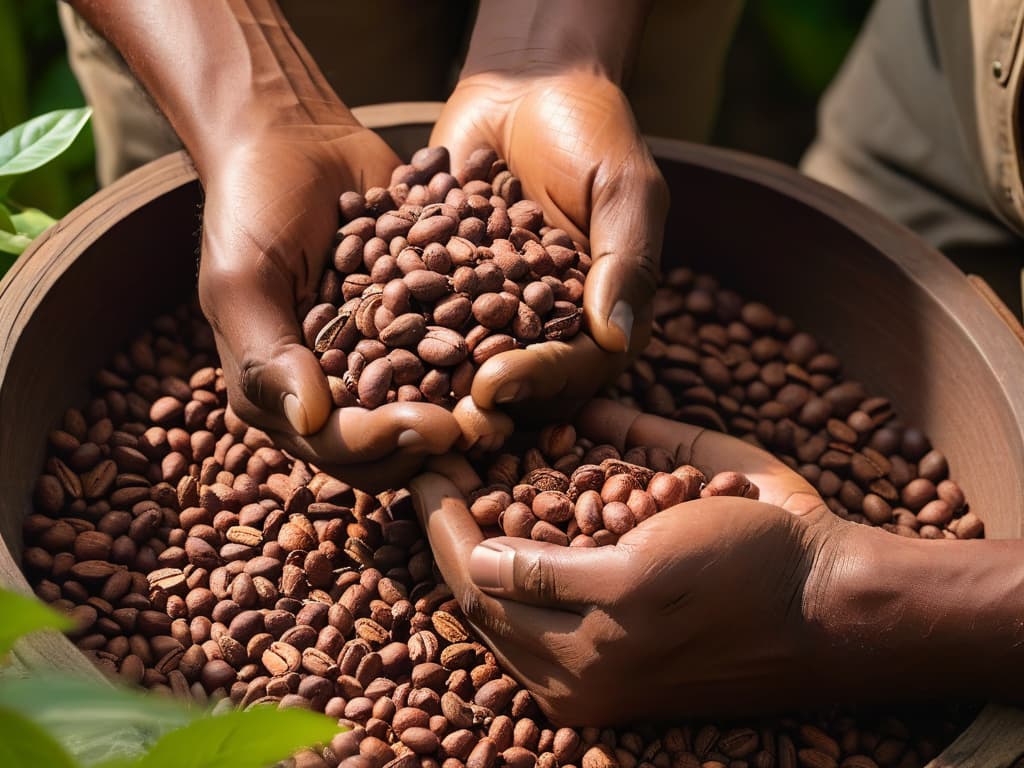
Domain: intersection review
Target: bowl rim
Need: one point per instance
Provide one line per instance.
(985, 321)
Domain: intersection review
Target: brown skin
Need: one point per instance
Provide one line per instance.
(748, 606)
(542, 87)
(776, 592)
(274, 148)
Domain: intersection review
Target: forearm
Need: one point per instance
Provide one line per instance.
(536, 36)
(926, 616)
(219, 71)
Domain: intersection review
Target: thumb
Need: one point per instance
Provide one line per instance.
(806, 503)
(274, 380)
(545, 371)
(286, 386)
(544, 574)
(626, 231)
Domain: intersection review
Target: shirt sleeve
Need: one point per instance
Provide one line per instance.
(978, 43)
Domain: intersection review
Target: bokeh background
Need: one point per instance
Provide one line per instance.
(784, 54)
(35, 78)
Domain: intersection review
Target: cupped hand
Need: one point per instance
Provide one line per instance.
(702, 608)
(270, 215)
(571, 138)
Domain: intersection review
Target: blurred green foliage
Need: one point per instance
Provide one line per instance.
(785, 54)
(810, 38)
(35, 78)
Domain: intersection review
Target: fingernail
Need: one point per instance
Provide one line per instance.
(490, 566)
(511, 392)
(296, 414)
(622, 318)
(410, 438)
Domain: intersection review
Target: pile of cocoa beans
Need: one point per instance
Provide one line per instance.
(601, 499)
(200, 561)
(435, 275)
(738, 367)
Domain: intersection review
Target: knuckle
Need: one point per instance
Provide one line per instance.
(538, 578)
(250, 379)
(473, 606)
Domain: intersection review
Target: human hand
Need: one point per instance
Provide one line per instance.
(271, 213)
(274, 147)
(716, 590)
(571, 138)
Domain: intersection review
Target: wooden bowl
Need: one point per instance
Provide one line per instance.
(901, 317)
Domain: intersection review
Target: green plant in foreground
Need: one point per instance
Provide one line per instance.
(62, 722)
(25, 148)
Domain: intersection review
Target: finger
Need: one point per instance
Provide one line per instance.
(805, 503)
(713, 452)
(541, 574)
(459, 471)
(694, 527)
(778, 484)
(606, 421)
(452, 533)
(626, 231)
(482, 428)
(371, 476)
(517, 631)
(358, 435)
(537, 643)
(275, 381)
(368, 163)
(545, 371)
(458, 131)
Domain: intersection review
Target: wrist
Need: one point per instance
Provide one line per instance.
(543, 37)
(268, 127)
(927, 617)
(223, 73)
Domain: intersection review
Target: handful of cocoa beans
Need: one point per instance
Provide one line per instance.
(433, 276)
(589, 495)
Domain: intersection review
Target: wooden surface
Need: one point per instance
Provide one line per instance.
(66, 306)
(902, 318)
(994, 740)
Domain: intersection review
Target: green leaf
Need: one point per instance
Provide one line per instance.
(34, 143)
(13, 244)
(250, 739)
(5, 219)
(94, 722)
(57, 88)
(21, 614)
(32, 222)
(24, 744)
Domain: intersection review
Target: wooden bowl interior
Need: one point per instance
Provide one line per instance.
(907, 324)
(143, 265)
(902, 318)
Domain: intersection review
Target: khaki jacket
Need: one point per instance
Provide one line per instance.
(979, 49)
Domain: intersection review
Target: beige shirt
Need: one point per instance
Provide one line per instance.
(979, 46)
(674, 86)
